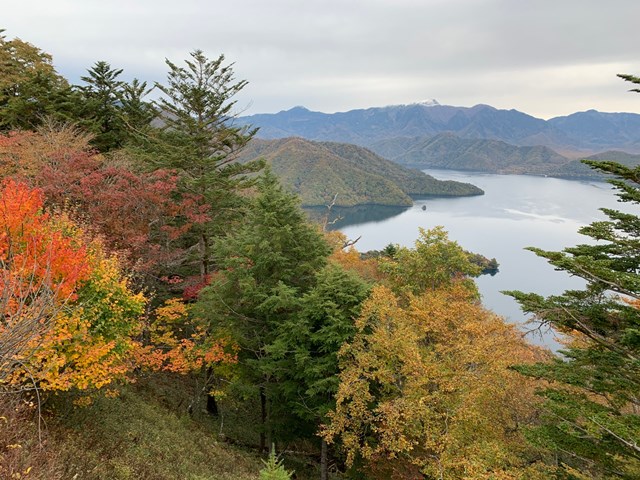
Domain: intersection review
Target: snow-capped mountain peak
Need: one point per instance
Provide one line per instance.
(431, 102)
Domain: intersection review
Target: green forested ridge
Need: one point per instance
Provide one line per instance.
(577, 168)
(411, 181)
(449, 151)
(317, 171)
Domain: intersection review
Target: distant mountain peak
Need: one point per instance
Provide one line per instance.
(580, 132)
(430, 102)
(298, 108)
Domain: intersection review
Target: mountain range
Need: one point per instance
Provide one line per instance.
(589, 131)
(481, 138)
(321, 171)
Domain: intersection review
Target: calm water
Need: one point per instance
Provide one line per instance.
(516, 211)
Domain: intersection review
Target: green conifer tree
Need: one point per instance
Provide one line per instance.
(266, 267)
(273, 468)
(198, 138)
(304, 353)
(100, 111)
(592, 414)
(136, 113)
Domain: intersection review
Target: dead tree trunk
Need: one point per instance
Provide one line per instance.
(263, 419)
(324, 474)
(212, 405)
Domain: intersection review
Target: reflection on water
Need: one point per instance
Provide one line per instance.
(515, 212)
(340, 217)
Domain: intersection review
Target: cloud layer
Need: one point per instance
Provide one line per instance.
(543, 57)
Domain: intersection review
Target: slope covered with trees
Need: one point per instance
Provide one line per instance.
(449, 151)
(320, 171)
(480, 138)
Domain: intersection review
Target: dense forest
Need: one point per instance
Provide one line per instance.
(321, 173)
(169, 312)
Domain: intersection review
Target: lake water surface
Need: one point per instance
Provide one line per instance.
(516, 211)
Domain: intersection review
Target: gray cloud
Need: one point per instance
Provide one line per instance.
(540, 56)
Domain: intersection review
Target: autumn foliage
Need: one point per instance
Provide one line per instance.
(179, 343)
(383, 364)
(68, 312)
(41, 265)
(128, 208)
(426, 389)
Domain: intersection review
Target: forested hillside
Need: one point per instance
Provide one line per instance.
(448, 151)
(169, 312)
(318, 172)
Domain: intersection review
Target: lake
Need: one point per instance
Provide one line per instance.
(516, 211)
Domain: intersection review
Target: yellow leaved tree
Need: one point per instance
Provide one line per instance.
(426, 387)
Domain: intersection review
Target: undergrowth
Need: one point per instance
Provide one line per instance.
(144, 433)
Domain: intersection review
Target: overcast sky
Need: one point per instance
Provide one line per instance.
(543, 57)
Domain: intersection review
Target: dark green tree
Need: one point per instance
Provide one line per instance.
(592, 410)
(100, 111)
(267, 265)
(199, 139)
(136, 113)
(304, 353)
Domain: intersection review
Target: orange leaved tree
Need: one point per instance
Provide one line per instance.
(40, 270)
(132, 211)
(68, 314)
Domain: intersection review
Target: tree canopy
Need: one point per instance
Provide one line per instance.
(591, 415)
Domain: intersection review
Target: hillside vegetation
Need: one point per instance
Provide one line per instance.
(452, 152)
(169, 312)
(448, 151)
(318, 171)
(479, 138)
(577, 169)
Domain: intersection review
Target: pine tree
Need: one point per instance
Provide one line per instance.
(592, 418)
(266, 266)
(101, 104)
(136, 113)
(274, 469)
(304, 353)
(309, 342)
(199, 140)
